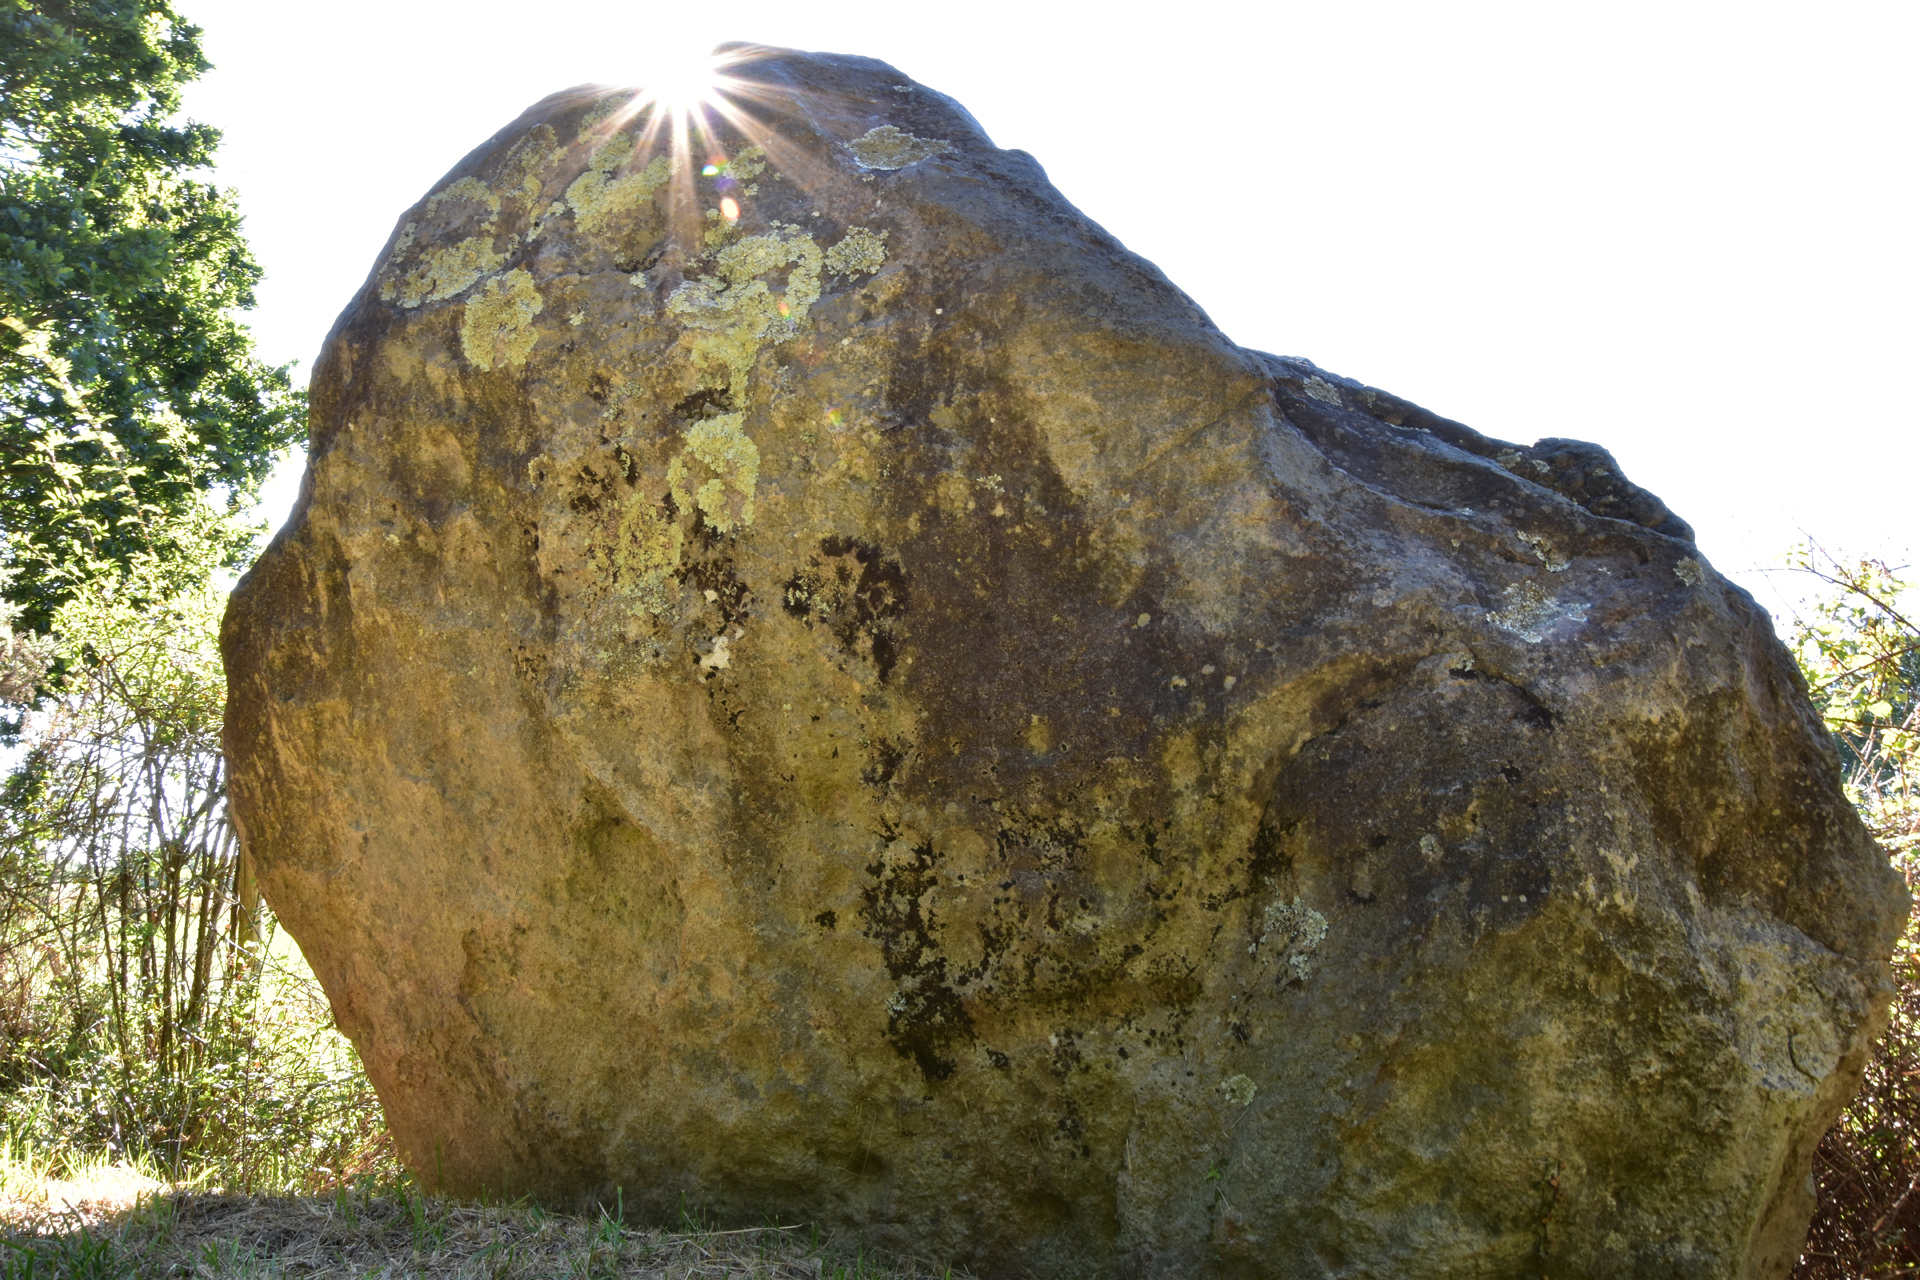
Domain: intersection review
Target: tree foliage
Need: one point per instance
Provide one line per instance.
(128, 389)
(1859, 648)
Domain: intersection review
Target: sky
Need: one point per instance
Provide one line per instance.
(1685, 231)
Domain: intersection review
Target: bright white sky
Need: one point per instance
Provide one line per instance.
(1683, 230)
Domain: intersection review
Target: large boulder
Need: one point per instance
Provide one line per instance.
(878, 713)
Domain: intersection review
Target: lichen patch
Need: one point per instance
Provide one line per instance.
(733, 461)
(1531, 612)
(859, 250)
(737, 311)
(445, 273)
(1238, 1090)
(1291, 933)
(889, 148)
(498, 325)
(637, 558)
(1543, 548)
(1322, 390)
(471, 189)
(597, 195)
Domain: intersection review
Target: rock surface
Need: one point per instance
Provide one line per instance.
(879, 714)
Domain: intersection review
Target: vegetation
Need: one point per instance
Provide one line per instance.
(146, 1015)
(364, 1232)
(128, 389)
(144, 1011)
(1860, 651)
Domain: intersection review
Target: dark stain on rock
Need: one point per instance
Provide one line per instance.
(926, 1019)
(591, 491)
(887, 758)
(715, 573)
(857, 593)
(708, 402)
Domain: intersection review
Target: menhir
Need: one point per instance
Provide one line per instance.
(819, 685)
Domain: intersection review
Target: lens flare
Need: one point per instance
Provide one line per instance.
(691, 111)
(677, 82)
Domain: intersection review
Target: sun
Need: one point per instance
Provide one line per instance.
(679, 84)
(686, 105)
(676, 95)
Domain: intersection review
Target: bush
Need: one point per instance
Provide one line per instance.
(1860, 652)
(145, 1010)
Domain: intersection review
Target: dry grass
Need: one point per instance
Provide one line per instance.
(388, 1236)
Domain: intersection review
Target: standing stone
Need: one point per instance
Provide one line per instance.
(878, 713)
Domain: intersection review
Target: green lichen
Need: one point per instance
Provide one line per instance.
(737, 311)
(889, 148)
(719, 231)
(1531, 612)
(1238, 1090)
(520, 173)
(639, 560)
(1543, 547)
(751, 162)
(1291, 933)
(597, 194)
(465, 189)
(605, 107)
(498, 325)
(1322, 390)
(400, 247)
(860, 250)
(724, 449)
(445, 272)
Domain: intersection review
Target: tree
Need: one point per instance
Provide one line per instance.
(128, 390)
(1859, 648)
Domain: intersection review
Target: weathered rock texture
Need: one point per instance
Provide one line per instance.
(880, 714)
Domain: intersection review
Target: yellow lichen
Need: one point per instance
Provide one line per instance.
(719, 444)
(604, 108)
(1322, 390)
(520, 171)
(442, 273)
(1292, 932)
(720, 232)
(889, 148)
(465, 189)
(860, 250)
(597, 194)
(404, 243)
(738, 312)
(1543, 547)
(498, 325)
(735, 311)
(1531, 612)
(643, 556)
(751, 162)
